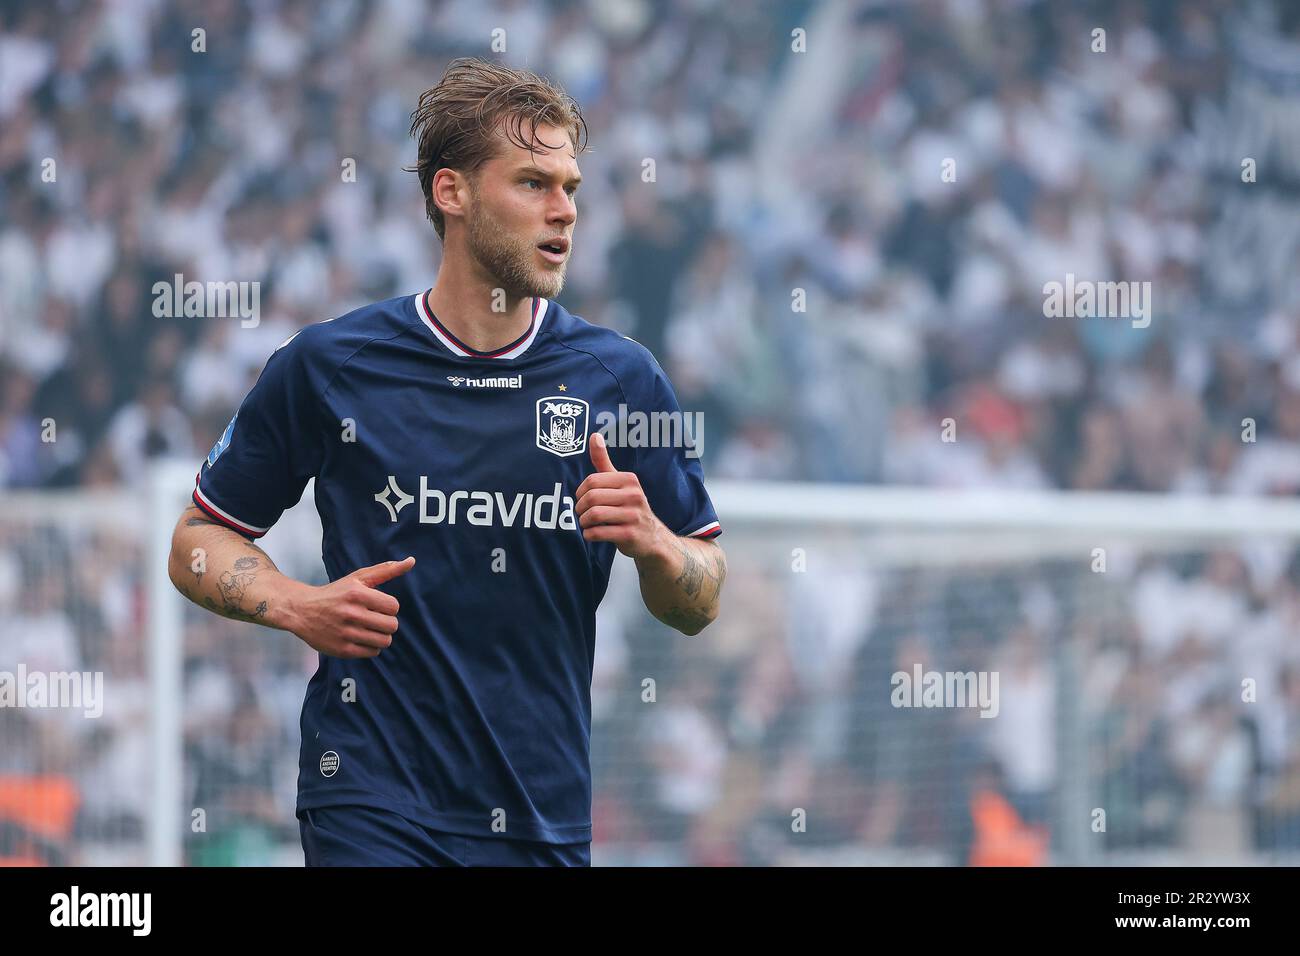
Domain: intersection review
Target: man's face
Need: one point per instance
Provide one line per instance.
(522, 201)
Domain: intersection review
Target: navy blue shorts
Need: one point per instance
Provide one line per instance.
(367, 836)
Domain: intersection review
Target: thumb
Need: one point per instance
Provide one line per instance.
(377, 574)
(600, 453)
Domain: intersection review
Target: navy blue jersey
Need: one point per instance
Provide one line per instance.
(480, 711)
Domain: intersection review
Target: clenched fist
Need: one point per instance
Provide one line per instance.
(611, 506)
(349, 617)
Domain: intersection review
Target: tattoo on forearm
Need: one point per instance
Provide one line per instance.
(234, 585)
(700, 584)
(695, 572)
(692, 576)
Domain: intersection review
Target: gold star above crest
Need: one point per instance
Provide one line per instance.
(563, 388)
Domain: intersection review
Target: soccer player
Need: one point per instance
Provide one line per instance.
(471, 511)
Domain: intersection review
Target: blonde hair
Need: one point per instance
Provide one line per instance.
(455, 122)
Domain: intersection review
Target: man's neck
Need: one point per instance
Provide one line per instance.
(464, 306)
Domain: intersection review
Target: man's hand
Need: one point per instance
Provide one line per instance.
(349, 617)
(611, 506)
(681, 578)
(223, 571)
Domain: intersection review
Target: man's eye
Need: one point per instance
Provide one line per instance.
(570, 189)
(528, 182)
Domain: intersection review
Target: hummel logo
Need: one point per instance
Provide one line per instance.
(498, 381)
(403, 499)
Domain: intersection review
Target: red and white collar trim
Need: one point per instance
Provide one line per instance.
(456, 347)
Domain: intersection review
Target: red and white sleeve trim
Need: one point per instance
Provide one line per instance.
(204, 502)
(710, 530)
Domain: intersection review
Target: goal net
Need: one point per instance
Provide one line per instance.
(897, 677)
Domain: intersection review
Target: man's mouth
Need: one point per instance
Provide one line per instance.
(554, 250)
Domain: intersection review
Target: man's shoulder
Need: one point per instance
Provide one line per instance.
(329, 343)
(621, 354)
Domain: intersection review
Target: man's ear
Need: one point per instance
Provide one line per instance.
(450, 190)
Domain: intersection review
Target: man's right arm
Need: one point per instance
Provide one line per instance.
(226, 573)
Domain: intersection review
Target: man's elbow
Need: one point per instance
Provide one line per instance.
(690, 621)
(178, 559)
(174, 566)
(703, 622)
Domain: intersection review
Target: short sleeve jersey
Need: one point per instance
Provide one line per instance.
(477, 719)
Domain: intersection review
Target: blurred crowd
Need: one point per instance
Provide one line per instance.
(843, 246)
(826, 285)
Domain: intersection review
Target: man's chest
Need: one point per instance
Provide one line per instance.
(516, 428)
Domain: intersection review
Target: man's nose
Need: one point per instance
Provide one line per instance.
(563, 209)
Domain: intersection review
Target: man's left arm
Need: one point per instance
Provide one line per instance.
(681, 578)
